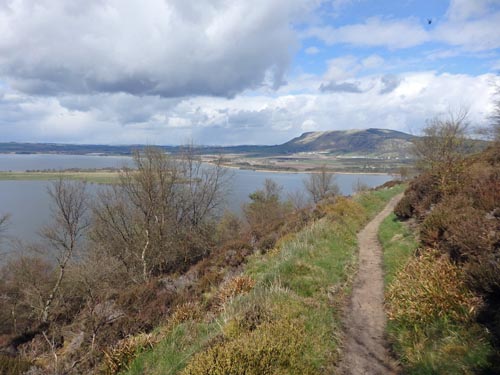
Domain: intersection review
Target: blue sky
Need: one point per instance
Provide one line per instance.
(240, 72)
(432, 53)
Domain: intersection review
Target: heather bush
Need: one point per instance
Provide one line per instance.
(13, 365)
(422, 193)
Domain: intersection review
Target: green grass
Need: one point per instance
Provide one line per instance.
(291, 321)
(98, 177)
(399, 245)
(425, 347)
(172, 353)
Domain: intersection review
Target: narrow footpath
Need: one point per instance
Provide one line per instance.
(365, 350)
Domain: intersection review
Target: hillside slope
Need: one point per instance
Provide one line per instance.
(374, 142)
(367, 142)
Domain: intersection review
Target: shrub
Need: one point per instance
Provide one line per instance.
(120, 356)
(184, 312)
(273, 348)
(422, 193)
(459, 229)
(13, 365)
(343, 210)
(234, 287)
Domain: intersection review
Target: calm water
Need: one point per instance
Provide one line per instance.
(28, 202)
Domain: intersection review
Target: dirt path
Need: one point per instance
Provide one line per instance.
(365, 350)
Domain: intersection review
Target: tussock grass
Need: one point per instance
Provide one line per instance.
(431, 311)
(288, 321)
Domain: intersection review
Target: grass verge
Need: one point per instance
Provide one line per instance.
(431, 312)
(399, 245)
(289, 322)
(98, 177)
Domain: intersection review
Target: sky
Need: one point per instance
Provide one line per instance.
(228, 72)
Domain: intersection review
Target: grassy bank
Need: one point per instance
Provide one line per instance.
(399, 244)
(282, 315)
(98, 177)
(431, 326)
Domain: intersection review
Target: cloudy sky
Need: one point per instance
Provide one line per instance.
(239, 71)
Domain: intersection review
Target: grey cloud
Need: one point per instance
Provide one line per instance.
(390, 83)
(350, 87)
(168, 48)
(249, 119)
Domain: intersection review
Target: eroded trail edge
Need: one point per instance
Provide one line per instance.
(365, 350)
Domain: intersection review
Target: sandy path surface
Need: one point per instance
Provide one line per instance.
(365, 350)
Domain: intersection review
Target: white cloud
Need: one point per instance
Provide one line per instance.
(372, 61)
(466, 9)
(411, 99)
(171, 48)
(470, 25)
(312, 50)
(375, 31)
(471, 35)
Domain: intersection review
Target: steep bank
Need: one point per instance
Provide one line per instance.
(283, 313)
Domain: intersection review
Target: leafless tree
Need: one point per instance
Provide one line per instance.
(444, 142)
(3, 223)
(443, 149)
(160, 214)
(321, 185)
(64, 234)
(495, 116)
(3, 227)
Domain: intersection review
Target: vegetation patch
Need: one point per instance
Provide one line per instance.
(431, 309)
(283, 314)
(399, 245)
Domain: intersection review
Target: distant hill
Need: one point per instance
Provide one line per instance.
(367, 142)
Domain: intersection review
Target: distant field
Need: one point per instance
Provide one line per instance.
(304, 164)
(98, 177)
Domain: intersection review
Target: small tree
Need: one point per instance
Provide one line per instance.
(3, 227)
(160, 216)
(443, 147)
(444, 142)
(321, 185)
(266, 212)
(3, 223)
(494, 131)
(64, 234)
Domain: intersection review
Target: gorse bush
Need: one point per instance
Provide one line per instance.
(273, 348)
